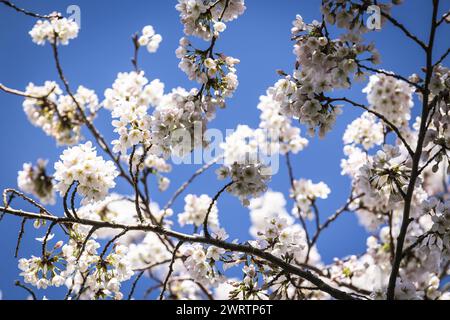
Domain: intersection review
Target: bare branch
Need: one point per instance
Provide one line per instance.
(28, 13)
(19, 238)
(404, 30)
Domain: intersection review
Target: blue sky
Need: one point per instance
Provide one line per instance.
(260, 39)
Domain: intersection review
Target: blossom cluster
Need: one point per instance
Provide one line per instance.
(178, 123)
(281, 136)
(305, 193)
(365, 130)
(217, 75)
(200, 263)
(281, 238)
(349, 15)
(93, 175)
(322, 65)
(79, 266)
(390, 97)
(150, 39)
(205, 19)
(129, 99)
(57, 114)
(272, 224)
(387, 174)
(195, 210)
(215, 72)
(243, 163)
(56, 27)
(440, 229)
(437, 137)
(34, 180)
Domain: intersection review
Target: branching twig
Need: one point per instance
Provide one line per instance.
(133, 286)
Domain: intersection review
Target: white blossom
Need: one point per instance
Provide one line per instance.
(150, 39)
(62, 29)
(93, 175)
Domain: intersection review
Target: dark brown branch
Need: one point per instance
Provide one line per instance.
(44, 242)
(416, 158)
(110, 242)
(287, 267)
(442, 58)
(72, 201)
(430, 161)
(393, 75)
(26, 12)
(415, 244)
(334, 217)
(83, 246)
(404, 30)
(66, 195)
(31, 292)
(443, 18)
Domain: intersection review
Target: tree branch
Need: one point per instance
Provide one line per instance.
(285, 266)
(416, 159)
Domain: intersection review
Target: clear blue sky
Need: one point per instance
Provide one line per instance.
(260, 39)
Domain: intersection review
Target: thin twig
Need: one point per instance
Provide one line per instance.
(19, 238)
(214, 199)
(393, 75)
(133, 286)
(188, 182)
(169, 273)
(300, 217)
(31, 292)
(404, 30)
(28, 13)
(442, 58)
